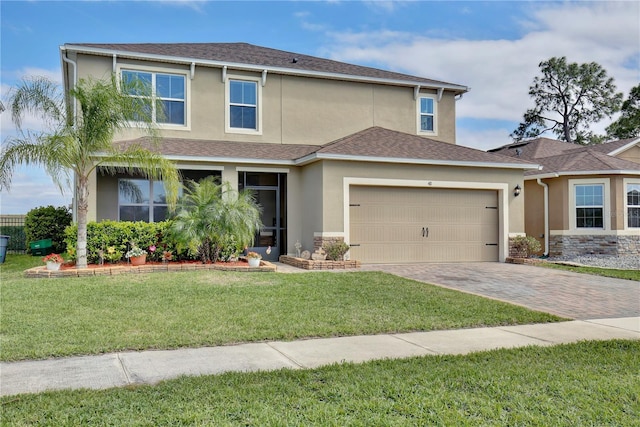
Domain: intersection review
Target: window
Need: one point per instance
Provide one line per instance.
(426, 115)
(589, 205)
(167, 89)
(243, 106)
(633, 205)
(141, 200)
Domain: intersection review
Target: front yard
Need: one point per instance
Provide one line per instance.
(589, 383)
(43, 318)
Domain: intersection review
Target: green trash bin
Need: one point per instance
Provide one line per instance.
(4, 242)
(41, 247)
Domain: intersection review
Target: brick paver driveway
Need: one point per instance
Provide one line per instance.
(567, 294)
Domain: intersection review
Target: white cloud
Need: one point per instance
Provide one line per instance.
(31, 186)
(500, 71)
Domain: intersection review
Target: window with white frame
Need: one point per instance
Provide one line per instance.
(633, 205)
(243, 105)
(589, 205)
(141, 200)
(426, 114)
(167, 90)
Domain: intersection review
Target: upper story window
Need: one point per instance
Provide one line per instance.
(633, 205)
(426, 114)
(589, 205)
(243, 106)
(167, 89)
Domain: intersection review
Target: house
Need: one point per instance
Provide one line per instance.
(333, 151)
(585, 199)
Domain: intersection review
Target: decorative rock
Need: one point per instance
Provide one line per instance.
(305, 255)
(319, 255)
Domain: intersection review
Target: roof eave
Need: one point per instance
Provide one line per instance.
(327, 156)
(581, 173)
(624, 147)
(458, 89)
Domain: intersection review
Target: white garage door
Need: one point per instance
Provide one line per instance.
(396, 225)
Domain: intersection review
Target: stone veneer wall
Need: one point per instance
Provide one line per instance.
(515, 253)
(318, 241)
(594, 245)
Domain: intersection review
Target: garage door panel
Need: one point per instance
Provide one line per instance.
(423, 225)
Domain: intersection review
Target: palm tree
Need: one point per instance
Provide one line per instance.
(209, 212)
(78, 144)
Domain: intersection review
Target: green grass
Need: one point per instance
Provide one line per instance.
(605, 272)
(43, 318)
(584, 384)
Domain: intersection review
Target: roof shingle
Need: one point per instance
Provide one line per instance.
(374, 143)
(244, 53)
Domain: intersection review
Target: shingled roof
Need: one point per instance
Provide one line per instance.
(374, 144)
(278, 61)
(558, 157)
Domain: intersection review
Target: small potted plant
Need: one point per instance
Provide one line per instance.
(254, 259)
(136, 255)
(53, 261)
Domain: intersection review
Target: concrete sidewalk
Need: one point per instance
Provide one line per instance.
(149, 367)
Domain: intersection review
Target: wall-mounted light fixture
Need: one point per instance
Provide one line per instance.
(517, 190)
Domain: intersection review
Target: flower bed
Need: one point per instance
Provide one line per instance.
(309, 264)
(155, 267)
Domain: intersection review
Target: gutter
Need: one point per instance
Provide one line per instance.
(63, 56)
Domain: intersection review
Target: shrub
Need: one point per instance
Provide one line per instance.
(335, 250)
(48, 223)
(525, 246)
(115, 238)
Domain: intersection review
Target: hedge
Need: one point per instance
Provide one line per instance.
(115, 238)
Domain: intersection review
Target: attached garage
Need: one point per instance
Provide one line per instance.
(407, 224)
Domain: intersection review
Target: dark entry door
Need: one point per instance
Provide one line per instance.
(270, 193)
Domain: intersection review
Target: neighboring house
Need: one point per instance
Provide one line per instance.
(333, 151)
(585, 199)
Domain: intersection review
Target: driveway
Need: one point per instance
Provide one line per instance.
(567, 294)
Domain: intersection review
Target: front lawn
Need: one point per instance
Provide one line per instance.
(43, 318)
(584, 384)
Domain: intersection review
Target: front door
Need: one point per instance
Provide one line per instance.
(270, 193)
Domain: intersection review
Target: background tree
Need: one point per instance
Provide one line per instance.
(628, 125)
(568, 99)
(78, 144)
(210, 214)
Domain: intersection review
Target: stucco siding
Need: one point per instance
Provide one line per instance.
(534, 211)
(335, 172)
(632, 154)
(293, 110)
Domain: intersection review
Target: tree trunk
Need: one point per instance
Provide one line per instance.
(83, 208)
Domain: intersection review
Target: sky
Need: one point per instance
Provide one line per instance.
(492, 47)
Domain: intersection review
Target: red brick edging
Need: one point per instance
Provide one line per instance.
(147, 268)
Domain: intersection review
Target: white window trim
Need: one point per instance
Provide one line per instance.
(606, 209)
(227, 102)
(625, 182)
(160, 70)
(419, 130)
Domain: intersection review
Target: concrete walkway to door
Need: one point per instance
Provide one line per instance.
(567, 294)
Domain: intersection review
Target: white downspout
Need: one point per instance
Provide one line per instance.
(546, 216)
(74, 202)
